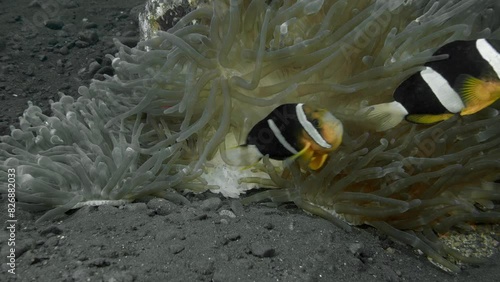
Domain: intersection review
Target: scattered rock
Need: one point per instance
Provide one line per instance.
(233, 236)
(81, 44)
(227, 213)
(236, 207)
(176, 248)
(211, 204)
(89, 36)
(89, 25)
(161, 206)
(24, 246)
(54, 24)
(262, 250)
(201, 216)
(269, 226)
(51, 229)
(129, 41)
(42, 58)
(99, 262)
(51, 242)
(60, 66)
(64, 50)
(355, 248)
(30, 70)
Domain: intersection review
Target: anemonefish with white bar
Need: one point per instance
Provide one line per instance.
(464, 83)
(295, 131)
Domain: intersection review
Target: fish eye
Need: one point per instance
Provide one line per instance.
(315, 123)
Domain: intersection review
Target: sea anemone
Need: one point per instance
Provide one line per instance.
(163, 122)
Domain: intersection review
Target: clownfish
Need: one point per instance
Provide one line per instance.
(295, 131)
(464, 83)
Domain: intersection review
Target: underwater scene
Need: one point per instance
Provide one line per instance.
(364, 113)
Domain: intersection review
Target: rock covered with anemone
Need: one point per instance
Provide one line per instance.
(182, 98)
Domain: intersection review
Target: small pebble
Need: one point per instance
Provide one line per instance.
(51, 242)
(54, 24)
(176, 248)
(81, 44)
(24, 246)
(211, 204)
(233, 236)
(269, 226)
(89, 25)
(129, 41)
(236, 207)
(354, 248)
(64, 50)
(89, 36)
(227, 213)
(161, 206)
(262, 250)
(51, 229)
(99, 262)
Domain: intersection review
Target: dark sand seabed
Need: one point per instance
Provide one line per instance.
(211, 239)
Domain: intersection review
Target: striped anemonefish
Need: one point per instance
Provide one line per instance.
(464, 83)
(295, 131)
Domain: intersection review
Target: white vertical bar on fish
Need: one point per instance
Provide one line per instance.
(446, 95)
(280, 137)
(489, 54)
(310, 129)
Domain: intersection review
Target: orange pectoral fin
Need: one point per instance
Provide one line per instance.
(475, 93)
(317, 162)
(303, 153)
